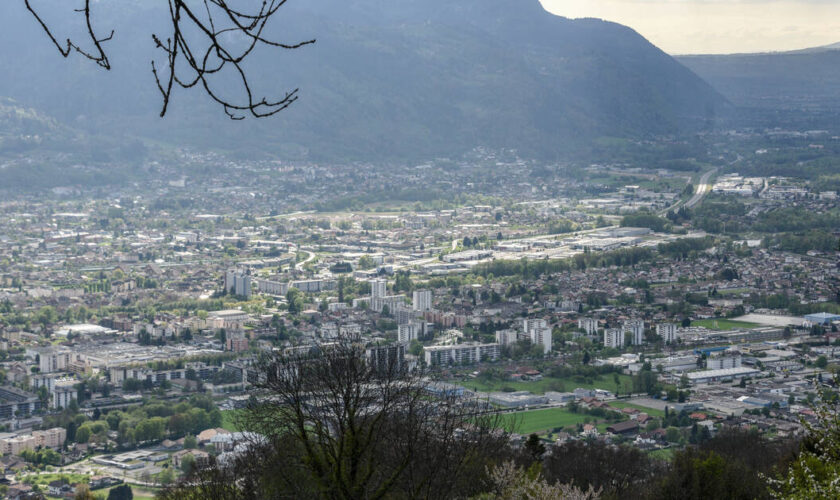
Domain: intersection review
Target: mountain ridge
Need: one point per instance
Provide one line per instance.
(389, 80)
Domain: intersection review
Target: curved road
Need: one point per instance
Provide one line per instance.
(703, 188)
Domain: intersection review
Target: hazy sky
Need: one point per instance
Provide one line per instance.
(717, 26)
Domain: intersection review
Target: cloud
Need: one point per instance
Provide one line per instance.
(716, 26)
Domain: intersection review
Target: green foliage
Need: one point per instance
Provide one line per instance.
(121, 492)
(813, 475)
(647, 220)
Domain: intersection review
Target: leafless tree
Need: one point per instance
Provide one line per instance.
(333, 424)
(199, 48)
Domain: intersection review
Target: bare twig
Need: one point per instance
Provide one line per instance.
(209, 52)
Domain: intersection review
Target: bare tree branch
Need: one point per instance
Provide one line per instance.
(212, 51)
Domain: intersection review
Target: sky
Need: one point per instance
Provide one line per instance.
(717, 26)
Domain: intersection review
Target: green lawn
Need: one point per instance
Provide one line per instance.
(723, 324)
(528, 422)
(666, 454)
(140, 493)
(229, 420)
(569, 384)
(650, 411)
(47, 478)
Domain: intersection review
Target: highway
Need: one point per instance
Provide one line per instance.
(703, 188)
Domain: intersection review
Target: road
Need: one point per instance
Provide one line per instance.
(309, 259)
(703, 188)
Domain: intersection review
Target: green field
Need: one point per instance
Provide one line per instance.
(229, 420)
(666, 454)
(528, 422)
(723, 324)
(569, 384)
(650, 411)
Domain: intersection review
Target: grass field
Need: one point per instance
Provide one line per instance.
(528, 422)
(666, 454)
(650, 411)
(605, 382)
(723, 324)
(229, 420)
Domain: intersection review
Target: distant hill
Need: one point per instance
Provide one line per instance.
(803, 86)
(388, 79)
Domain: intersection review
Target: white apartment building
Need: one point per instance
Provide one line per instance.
(314, 286)
(506, 337)
(421, 300)
(238, 283)
(589, 325)
(460, 354)
(54, 360)
(413, 331)
(538, 332)
(636, 329)
(50, 438)
(614, 337)
(378, 288)
(15, 445)
(724, 361)
(668, 332)
(271, 287)
(63, 392)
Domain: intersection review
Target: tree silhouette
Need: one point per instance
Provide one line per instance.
(199, 50)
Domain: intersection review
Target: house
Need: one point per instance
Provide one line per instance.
(20, 492)
(202, 458)
(625, 428)
(590, 430)
(10, 464)
(58, 487)
(99, 482)
(204, 437)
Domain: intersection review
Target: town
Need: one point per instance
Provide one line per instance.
(624, 305)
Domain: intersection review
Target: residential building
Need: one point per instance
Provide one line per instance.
(668, 332)
(614, 337)
(539, 333)
(378, 288)
(460, 354)
(236, 343)
(50, 438)
(636, 329)
(422, 300)
(386, 357)
(589, 325)
(238, 283)
(15, 445)
(723, 360)
(272, 287)
(414, 331)
(63, 392)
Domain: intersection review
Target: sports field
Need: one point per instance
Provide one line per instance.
(538, 421)
(723, 324)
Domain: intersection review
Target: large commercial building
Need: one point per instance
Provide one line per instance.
(460, 354)
(821, 319)
(727, 374)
